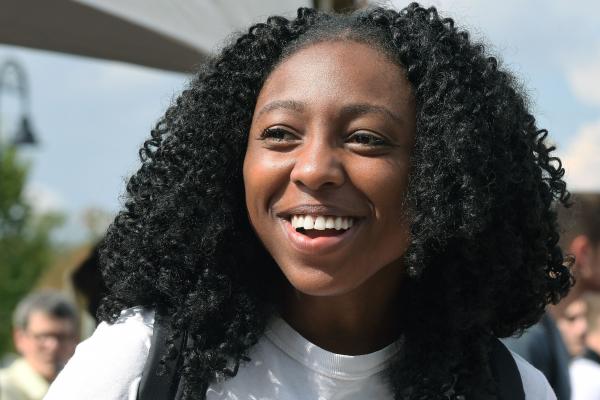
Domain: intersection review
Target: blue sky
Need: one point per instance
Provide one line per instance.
(91, 116)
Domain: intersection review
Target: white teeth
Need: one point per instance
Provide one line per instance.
(344, 223)
(321, 222)
(338, 223)
(309, 222)
(329, 223)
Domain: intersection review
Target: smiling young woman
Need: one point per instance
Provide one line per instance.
(331, 140)
(338, 207)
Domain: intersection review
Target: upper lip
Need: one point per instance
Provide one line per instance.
(317, 209)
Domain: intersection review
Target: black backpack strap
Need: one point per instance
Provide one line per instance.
(505, 372)
(165, 386)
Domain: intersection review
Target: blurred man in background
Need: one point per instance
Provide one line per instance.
(572, 324)
(585, 370)
(581, 238)
(550, 344)
(45, 334)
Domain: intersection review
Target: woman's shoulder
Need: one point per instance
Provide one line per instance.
(535, 384)
(132, 330)
(136, 320)
(109, 363)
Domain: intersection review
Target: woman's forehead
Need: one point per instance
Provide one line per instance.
(341, 70)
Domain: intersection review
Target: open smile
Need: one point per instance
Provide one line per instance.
(319, 234)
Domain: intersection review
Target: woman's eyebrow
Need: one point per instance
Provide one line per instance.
(355, 109)
(292, 105)
(359, 109)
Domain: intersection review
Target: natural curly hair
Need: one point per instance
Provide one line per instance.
(483, 259)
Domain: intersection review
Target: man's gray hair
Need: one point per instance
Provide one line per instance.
(50, 302)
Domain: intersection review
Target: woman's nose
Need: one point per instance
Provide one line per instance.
(317, 166)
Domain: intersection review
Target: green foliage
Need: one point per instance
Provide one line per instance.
(25, 240)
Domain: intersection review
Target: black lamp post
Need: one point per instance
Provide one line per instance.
(18, 83)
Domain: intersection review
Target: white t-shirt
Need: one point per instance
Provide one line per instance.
(585, 379)
(284, 365)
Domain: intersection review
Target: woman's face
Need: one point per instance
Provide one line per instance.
(329, 146)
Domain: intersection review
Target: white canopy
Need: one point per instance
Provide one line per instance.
(168, 34)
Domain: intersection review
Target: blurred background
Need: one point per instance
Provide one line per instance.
(82, 82)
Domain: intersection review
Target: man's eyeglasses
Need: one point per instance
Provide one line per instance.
(44, 337)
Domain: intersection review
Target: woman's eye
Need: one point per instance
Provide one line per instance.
(366, 139)
(278, 135)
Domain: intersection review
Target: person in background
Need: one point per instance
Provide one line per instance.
(46, 326)
(572, 325)
(581, 238)
(585, 370)
(551, 343)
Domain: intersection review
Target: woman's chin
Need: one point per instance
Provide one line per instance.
(318, 283)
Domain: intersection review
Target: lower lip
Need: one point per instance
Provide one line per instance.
(318, 245)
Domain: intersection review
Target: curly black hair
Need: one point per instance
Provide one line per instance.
(483, 257)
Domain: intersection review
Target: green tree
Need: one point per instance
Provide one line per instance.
(26, 247)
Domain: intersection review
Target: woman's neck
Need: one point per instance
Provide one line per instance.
(359, 322)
